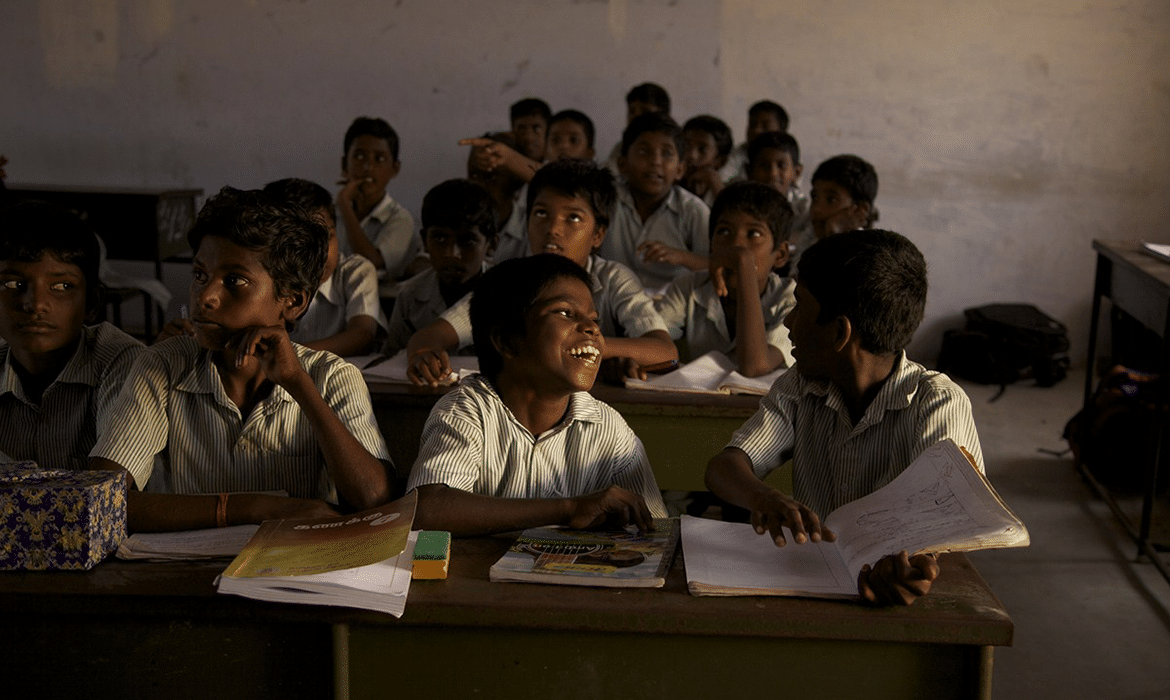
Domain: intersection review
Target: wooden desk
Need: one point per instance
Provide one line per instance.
(1139, 284)
(681, 432)
(159, 630)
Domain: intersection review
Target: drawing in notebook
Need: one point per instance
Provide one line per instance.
(713, 373)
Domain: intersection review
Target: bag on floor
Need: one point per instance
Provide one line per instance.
(1004, 343)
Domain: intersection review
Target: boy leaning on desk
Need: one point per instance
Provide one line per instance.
(856, 411)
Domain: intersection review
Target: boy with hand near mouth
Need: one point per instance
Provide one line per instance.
(843, 192)
(239, 407)
(738, 307)
(568, 206)
(459, 232)
(708, 144)
(58, 376)
(523, 444)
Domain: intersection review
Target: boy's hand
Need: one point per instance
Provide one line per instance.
(772, 509)
(657, 251)
(429, 367)
(742, 265)
(486, 154)
(897, 579)
(703, 181)
(178, 326)
(610, 507)
(271, 346)
(349, 192)
(258, 507)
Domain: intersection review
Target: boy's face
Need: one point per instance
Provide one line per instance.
(456, 254)
(652, 165)
(832, 209)
(738, 231)
(231, 291)
(637, 108)
(42, 307)
(562, 346)
(812, 342)
(369, 160)
(702, 152)
(325, 218)
(762, 123)
(774, 167)
(567, 139)
(563, 225)
(530, 133)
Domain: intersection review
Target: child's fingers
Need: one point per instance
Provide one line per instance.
(477, 141)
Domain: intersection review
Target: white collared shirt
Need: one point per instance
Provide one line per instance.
(679, 222)
(351, 291)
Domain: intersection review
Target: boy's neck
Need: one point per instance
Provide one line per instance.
(862, 378)
(245, 385)
(538, 411)
(37, 372)
(362, 206)
(646, 204)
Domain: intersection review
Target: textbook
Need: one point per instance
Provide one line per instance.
(713, 373)
(940, 503)
(615, 559)
(362, 560)
(393, 368)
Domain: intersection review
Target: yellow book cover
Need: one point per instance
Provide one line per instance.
(317, 545)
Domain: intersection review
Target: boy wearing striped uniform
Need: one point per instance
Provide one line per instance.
(856, 411)
(239, 407)
(523, 444)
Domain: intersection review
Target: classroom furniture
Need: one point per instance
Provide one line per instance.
(142, 629)
(681, 432)
(1139, 284)
(148, 224)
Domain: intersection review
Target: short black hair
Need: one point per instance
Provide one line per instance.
(305, 194)
(714, 126)
(651, 94)
(460, 204)
(655, 123)
(852, 173)
(766, 106)
(372, 126)
(503, 296)
(293, 247)
(31, 228)
(875, 278)
(577, 117)
(780, 140)
(573, 177)
(530, 106)
(760, 201)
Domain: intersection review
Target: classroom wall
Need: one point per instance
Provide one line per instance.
(1007, 134)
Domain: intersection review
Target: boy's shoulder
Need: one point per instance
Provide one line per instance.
(686, 202)
(390, 210)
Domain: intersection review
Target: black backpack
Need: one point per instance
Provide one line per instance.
(1004, 343)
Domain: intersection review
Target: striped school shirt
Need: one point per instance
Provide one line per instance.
(351, 291)
(471, 441)
(59, 432)
(174, 407)
(835, 461)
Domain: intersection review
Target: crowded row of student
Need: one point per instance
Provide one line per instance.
(228, 407)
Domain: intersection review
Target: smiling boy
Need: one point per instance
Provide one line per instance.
(523, 444)
(239, 407)
(459, 232)
(58, 376)
(738, 307)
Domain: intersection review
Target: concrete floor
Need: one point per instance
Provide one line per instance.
(1091, 620)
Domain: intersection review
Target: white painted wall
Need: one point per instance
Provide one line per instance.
(1007, 135)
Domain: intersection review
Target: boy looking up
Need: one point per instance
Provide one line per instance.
(856, 411)
(764, 117)
(708, 143)
(568, 204)
(530, 119)
(774, 160)
(58, 377)
(459, 232)
(658, 229)
(344, 316)
(523, 444)
(843, 191)
(738, 306)
(570, 135)
(239, 407)
(374, 225)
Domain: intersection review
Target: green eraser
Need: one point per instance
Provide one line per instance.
(432, 545)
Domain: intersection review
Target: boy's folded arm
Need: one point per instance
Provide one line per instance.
(651, 348)
(427, 353)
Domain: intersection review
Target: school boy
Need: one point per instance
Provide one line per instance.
(843, 192)
(58, 376)
(856, 411)
(737, 307)
(570, 135)
(345, 315)
(530, 118)
(708, 144)
(646, 98)
(523, 444)
(492, 163)
(374, 225)
(568, 204)
(239, 407)
(658, 229)
(459, 232)
(774, 159)
(763, 117)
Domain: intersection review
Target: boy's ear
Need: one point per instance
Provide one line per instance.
(397, 168)
(492, 243)
(844, 333)
(295, 305)
(344, 160)
(599, 235)
(798, 169)
(780, 255)
(621, 163)
(863, 211)
(502, 343)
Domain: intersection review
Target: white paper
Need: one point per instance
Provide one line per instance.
(188, 544)
(394, 368)
(713, 373)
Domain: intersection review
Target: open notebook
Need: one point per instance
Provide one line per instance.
(393, 369)
(713, 373)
